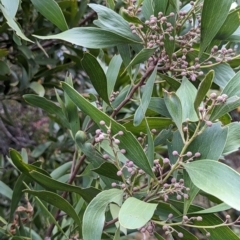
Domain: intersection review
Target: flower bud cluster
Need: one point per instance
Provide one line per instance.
(175, 187)
(149, 227)
(158, 30)
(210, 102)
(168, 230)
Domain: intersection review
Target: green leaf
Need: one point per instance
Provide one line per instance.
(109, 170)
(216, 179)
(191, 194)
(51, 10)
(40, 149)
(94, 216)
(90, 37)
(135, 213)
(37, 88)
(160, 6)
(96, 75)
(146, 97)
(112, 73)
(157, 123)
(47, 105)
(212, 20)
(150, 144)
(11, 7)
(12, 23)
(203, 88)
(141, 57)
(218, 208)
(113, 22)
(59, 202)
(230, 25)
(174, 107)
(61, 170)
(186, 94)
(147, 9)
(158, 105)
(4, 68)
(233, 138)
(171, 81)
(127, 140)
(71, 110)
(87, 194)
(210, 143)
(5, 190)
(22, 166)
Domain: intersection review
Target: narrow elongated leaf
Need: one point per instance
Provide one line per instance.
(135, 213)
(47, 105)
(218, 208)
(94, 216)
(11, 7)
(71, 110)
(217, 136)
(87, 194)
(157, 123)
(212, 20)
(171, 81)
(112, 73)
(150, 144)
(230, 25)
(191, 194)
(22, 166)
(146, 97)
(141, 57)
(216, 179)
(57, 201)
(147, 9)
(127, 140)
(174, 107)
(5, 190)
(111, 21)
(96, 75)
(11, 22)
(90, 37)
(186, 94)
(203, 88)
(37, 88)
(233, 138)
(51, 10)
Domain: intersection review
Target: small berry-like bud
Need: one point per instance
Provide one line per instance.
(185, 196)
(219, 98)
(187, 189)
(114, 184)
(185, 129)
(200, 109)
(119, 173)
(130, 164)
(209, 123)
(213, 95)
(175, 153)
(105, 156)
(123, 151)
(173, 180)
(165, 185)
(166, 161)
(120, 133)
(208, 234)
(189, 154)
(98, 131)
(129, 170)
(123, 185)
(165, 227)
(199, 218)
(154, 130)
(117, 141)
(228, 216)
(156, 161)
(102, 123)
(180, 235)
(170, 215)
(179, 197)
(185, 218)
(197, 154)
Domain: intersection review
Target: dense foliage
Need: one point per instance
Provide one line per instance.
(135, 97)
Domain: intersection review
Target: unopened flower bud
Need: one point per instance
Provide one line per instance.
(102, 123)
(175, 153)
(209, 123)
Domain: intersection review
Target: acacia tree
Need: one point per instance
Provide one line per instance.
(138, 95)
